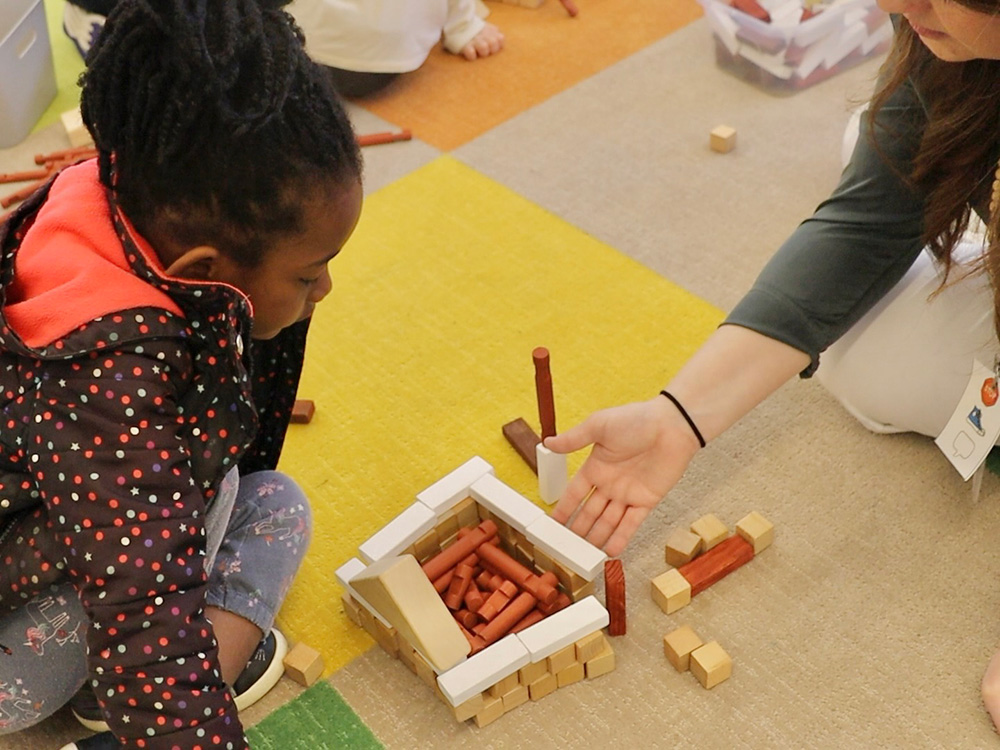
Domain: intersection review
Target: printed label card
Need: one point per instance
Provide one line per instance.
(973, 429)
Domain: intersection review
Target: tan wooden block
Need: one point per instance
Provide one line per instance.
(386, 637)
(467, 513)
(447, 529)
(590, 646)
(603, 663)
(408, 656)
(561, 658)
(426, 546)
(469, 708)
(491, 711)
(671, 591)
(573, 673)
(584, 591)
(515, 697)
(76, 131)
(400, 591)
(711, 664)
(543, 686)
(757, 530)
(505, 685)
(304, 664)
(722, 139)
(351, 608)
(682, 546)
(543, 561)
(711, 530)
(531, 672)
(678, 645)
(424, 670)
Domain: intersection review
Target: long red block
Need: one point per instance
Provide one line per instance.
(717, 563)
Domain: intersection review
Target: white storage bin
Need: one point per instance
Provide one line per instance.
(788, 54)
(27, 75)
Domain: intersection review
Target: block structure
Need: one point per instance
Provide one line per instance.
(564, 641)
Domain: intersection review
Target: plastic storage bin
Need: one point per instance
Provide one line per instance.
(788, 53)
(27, 76)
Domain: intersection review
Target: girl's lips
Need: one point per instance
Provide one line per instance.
(925, 32)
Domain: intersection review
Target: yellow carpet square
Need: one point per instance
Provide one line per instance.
(423, 352)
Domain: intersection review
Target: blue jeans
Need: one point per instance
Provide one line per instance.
(257, 532)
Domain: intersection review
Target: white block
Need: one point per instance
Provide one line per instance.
(399, 533)
(566, 547)
(76, 131)
(481, 670)
(852, 38)
(505, 502)
(564, 627)
(344, 574)
(553, 473)
(453, 487)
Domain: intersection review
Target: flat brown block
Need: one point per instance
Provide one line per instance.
(614, 593)
(302, 411)
(717, 563)
(520, 435)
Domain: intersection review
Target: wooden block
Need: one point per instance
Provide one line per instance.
(351, 608)
(452, 488)
(483, 669)
(523, 439)
(515, 697)
(76, 131)
(470, 708)
(711, 530)
(711, 664)
(400, 591)
(553, 474)
(757, 530)
(573, 673)
(678, 645)
(603, 663)
(386, 637)
(682, 547)
(562, 658)
(563, 628)
(505, 502)
(590, 646)
(722, 139)
(303, 411)
(491, 711)
(504, 685)
(542, 686)
(467, 512)
(671, 591)
(717, 563)
(533, 671)
(614, 596)
(402, 531)
(303, 664)
(566, 547)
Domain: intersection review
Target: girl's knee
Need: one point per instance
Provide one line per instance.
(280, 504)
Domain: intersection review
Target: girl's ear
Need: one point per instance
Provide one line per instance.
(198, 264)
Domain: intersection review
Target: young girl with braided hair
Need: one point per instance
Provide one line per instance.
(154, 308)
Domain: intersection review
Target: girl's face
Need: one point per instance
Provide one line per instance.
(293, 277)
(953, 32)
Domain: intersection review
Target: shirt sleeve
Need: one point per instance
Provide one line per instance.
(857, 245)
(112, 462)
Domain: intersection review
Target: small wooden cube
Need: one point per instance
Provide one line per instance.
(711, 664)
(573, 673)
(515, 697)
(722, 139)
(491, 711)
(303, 664)
(678, 645)
(562, 658)
(757, 530)
(542, 686)
(671, 591)
(533, 671)
(469, 708)
(711, 530)
(590, 646)
(682, 546)
(603, 663)
(302, 411)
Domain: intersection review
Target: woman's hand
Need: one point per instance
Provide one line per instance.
(991, 689)
(640, 452)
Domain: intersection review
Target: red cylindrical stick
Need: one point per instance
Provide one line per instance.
(448, 557)
(505, 564)
(543, 390)
(512, 614)
(375, 139)
(528, 620)
(458, 586)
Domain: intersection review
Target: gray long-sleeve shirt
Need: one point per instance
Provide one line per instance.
(856, 246)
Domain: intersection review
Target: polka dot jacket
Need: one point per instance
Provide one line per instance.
(114, 437)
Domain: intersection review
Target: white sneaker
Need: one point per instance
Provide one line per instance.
(82, 27)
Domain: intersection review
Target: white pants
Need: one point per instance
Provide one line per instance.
(904, 366)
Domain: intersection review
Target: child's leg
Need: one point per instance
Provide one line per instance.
(47, 662)
(904, 366)
(264, 544)
(352, 84)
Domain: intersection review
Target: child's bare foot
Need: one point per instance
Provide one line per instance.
(487, 42)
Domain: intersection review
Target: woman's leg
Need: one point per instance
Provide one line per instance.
(266, 538)
(904, 366)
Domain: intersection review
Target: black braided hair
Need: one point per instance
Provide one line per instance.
(212, 124)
